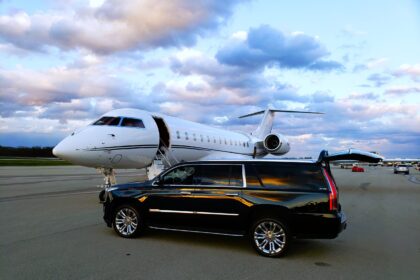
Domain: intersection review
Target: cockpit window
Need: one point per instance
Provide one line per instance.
(132, 122)
(108, 121)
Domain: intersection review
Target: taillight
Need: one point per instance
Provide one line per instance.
(333, 197)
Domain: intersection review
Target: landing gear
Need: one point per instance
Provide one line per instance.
(109, 176)
(109, 181)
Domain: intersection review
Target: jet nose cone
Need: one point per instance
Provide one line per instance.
(58, 151)
(64, 150)
(54, 151)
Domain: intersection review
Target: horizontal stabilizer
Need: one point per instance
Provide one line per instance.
(267, 121)
(279, 111)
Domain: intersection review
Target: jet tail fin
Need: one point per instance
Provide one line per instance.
(266, 124)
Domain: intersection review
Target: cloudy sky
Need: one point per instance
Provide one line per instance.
(65, 62)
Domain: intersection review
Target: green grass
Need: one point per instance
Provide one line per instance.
(27, 161)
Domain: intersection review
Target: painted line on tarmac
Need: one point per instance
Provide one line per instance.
(47, 195)
(123, 174)
(413, 179)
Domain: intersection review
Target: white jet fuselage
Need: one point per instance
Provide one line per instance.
(122, 146)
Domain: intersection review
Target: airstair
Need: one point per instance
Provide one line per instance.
(164, 159)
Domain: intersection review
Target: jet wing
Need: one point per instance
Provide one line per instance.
(350, 154)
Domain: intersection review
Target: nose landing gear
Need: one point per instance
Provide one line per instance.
(109, 181)
(109, 176)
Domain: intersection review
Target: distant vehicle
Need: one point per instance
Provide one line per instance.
(401, 168)
(357, 169)
(271, 201)
(393, 161)
(417, 166)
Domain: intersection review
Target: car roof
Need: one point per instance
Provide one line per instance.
(252, 161)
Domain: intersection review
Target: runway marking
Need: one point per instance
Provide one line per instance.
(46, 195)
(321, 264)
(125, 174)
(58, 178)
(413, 179)
(50, 234)
(364, 186)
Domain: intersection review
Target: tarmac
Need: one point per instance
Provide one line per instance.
(51, 227)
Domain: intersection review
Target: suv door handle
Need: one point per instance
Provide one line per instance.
(232, 194)
(185, 193)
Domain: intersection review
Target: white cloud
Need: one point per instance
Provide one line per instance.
(376, 63)
(412, 71)
(350, 30)
(402, 89)
(240, 35)
(116, 25)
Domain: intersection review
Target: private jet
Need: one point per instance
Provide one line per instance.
(132, 138)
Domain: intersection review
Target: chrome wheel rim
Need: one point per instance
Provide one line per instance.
(269, 237)
(126, 221)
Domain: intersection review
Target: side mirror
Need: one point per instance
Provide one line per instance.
(157, 182)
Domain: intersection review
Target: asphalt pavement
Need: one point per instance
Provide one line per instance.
(51, 227)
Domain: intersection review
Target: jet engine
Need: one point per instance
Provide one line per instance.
(276, 144)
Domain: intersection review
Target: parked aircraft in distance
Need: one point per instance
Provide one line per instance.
(132, 138)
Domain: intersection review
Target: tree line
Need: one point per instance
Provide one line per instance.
(26, 151)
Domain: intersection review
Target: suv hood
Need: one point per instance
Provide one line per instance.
(132, 185)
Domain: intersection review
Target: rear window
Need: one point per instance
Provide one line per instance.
(130, 122)
(108, 121)
(305, 177)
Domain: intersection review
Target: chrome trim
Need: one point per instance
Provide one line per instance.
(251, 160)
(232, 194)
(192, 212)
(197, 231)
(170, 211)
(217, 213)
(243, 176)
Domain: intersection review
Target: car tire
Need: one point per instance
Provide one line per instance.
(270, 237)
(102, 196)
(127, 221)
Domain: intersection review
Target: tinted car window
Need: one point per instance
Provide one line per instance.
(306, 177)
(108, 121)
(252, 179)
(219, 175)
(130, 122)
(235, 178)
(213, 175)
(183, 175)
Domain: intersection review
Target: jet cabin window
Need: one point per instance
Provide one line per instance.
(130, 122)
(108, 121)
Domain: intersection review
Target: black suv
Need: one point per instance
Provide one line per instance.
(270, 200)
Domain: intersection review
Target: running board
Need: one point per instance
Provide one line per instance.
(197, 231)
